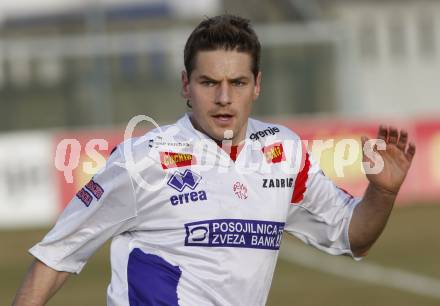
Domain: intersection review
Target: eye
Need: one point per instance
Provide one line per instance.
(238, 83)
(208, 83)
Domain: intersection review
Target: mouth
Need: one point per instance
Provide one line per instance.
(223, 117)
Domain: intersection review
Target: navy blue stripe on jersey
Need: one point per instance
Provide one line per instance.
(151, 280)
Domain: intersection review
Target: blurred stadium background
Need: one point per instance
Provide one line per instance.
(332, 69)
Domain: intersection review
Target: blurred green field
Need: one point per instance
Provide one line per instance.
(410, 242)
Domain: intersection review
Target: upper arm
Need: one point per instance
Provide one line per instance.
(105, 207)
(320, 212)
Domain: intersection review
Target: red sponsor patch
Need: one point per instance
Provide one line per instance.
(175, 160)
(274, 153)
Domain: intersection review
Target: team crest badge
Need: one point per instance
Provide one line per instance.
(240, 190)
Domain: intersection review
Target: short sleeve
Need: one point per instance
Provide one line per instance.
(320, 212)
(103, 208)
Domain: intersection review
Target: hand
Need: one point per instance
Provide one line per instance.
(397, 158)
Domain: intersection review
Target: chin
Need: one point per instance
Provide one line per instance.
(218, 136)
(222, 130)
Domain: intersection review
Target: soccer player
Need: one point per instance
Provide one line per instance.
(196, 209)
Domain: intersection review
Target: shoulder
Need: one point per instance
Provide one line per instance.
(165, 137)
(271, 136)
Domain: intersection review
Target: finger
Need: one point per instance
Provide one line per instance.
(393, 135)
(382, 132)
(364, 139)
(365, 147)
(403, 140)
(411, 151)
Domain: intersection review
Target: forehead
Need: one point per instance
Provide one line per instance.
(222, 63)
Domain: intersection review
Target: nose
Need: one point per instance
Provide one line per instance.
(223, 95)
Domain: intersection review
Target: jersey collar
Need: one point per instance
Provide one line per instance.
(186, 123)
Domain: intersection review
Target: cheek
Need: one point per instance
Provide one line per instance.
(247, 101)
(202, 97)
(247, 94)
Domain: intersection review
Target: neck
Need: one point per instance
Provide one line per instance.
(234, 141)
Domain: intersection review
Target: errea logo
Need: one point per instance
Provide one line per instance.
(189, 179)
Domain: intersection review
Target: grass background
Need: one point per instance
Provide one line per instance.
(410, 242)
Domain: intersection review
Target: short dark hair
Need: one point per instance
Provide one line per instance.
(227, 32)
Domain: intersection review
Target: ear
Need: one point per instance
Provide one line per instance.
(257, 87)
(185, 85)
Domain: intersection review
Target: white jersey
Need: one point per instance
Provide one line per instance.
(191, 227)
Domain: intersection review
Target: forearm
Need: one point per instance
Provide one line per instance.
(39, 285)
(369, 218)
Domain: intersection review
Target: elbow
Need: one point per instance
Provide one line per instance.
(360, 251)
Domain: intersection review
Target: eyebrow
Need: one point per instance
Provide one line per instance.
(239, 78)
(205, 77)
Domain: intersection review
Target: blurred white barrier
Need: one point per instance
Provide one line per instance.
(28, 192)
(364, 272)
